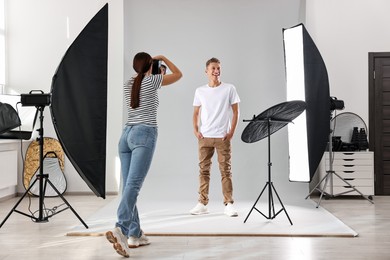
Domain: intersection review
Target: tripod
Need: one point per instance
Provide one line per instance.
(328, 178)
(279, 115)
(269, 184)
(43, 181)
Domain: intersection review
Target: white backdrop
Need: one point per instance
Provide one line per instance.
(247, 37)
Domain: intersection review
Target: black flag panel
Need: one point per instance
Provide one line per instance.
(79, 102)
(317, 100)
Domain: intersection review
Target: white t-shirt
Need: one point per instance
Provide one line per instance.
(216, 108)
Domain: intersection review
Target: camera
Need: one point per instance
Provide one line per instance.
(156, 67)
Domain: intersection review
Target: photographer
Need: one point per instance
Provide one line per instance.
(137, 145)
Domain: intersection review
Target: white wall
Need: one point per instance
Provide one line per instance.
(38, 35)
(345, 31)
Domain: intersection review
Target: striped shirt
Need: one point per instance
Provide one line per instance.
(146, 113)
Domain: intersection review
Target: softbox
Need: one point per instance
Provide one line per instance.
(306, 79)
(79, 102)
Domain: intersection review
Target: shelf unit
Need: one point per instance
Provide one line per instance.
(9, 168)
(357, 168)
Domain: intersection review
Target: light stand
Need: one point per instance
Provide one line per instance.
(43, 181)
(264, 125)
(269, 184)
(328, 178)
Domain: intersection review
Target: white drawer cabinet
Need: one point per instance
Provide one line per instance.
(10, 167)
(9, 170)
(357, 168)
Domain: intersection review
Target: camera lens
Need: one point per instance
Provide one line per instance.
(156, 67)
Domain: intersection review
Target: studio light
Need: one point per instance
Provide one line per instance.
(336, 104)
(35, 98)
(78, 104)
(307, 80)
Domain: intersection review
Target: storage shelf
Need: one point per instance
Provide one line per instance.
(357, 168)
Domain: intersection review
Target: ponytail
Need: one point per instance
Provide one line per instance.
(135, 90)
(141, 64)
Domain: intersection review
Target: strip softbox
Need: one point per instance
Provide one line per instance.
(307, 79)
(79, 102)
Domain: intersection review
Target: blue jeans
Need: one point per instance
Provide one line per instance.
(136, 149)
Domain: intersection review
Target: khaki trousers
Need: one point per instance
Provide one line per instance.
(207, 146)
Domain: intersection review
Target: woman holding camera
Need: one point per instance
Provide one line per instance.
(137, 145)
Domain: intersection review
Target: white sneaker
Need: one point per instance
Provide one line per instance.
(135, 242)
(199, 209)
(230, 210)
(119, 241)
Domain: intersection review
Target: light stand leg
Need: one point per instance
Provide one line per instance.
(17, 204)
(325, 178)
(254, 205)
(322, 190)
(352, 187)
(281, 203)
(328, 175)
(271, 206)
(66, 202)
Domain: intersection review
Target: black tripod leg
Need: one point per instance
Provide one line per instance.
(281, 203)
(17, 204)
(271, 203)
(67, 203)
(254, 205)
(42, 192)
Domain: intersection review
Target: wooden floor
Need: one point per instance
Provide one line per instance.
(20, 238)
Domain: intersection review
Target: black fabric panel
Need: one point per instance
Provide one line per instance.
(79, 102)
(317, 100)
